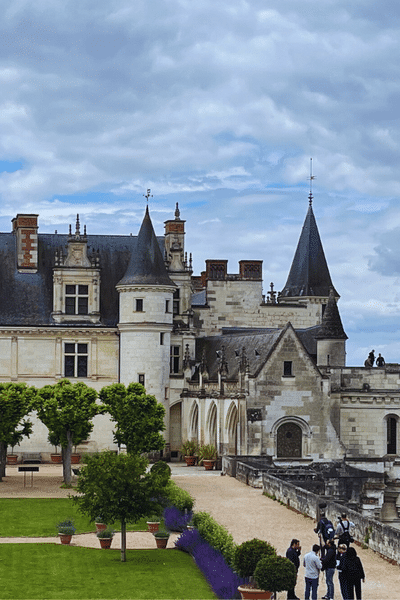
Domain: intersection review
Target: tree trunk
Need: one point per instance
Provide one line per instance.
(3, 459)
(66, 456)
(123, 540)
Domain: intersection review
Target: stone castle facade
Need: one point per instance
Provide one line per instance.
(253, 374)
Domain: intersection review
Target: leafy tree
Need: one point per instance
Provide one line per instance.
(119, 488)
(16, 401)
(67, 410)
(139, 417)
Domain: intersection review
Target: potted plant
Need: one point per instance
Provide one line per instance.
(15, 439)
(207, 456)
(75, 457)
(275, 574)
(189, 450)
(54, 440)
(99, 522)
(153, 523)
(66, 530)
(105, 537)
(246, 557)
(161, 537)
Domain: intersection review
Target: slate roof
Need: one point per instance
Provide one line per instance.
(258, 344)
(331, 327)
(146, 265)
(26, 299)
(309, 274)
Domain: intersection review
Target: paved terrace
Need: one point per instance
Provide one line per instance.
(244, 511)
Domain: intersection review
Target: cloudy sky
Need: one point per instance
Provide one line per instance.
(217, 105)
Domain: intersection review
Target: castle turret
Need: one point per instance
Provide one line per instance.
(309, 276)
(331, 338)
(145, 321)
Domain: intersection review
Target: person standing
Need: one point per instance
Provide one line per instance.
(313, 567)
(293, 553)
(329, 566)
(343, 530)
(340, 559)
(353, 573)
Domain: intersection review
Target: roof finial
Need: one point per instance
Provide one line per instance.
(177, 212)
(148, 195)
(77, 227)
(310, 196)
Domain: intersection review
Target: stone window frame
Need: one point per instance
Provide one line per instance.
(396, 418)
(305, 430)
(78, 352)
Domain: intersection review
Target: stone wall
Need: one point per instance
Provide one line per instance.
(382, 537)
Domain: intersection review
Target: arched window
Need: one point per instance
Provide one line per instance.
(194, 423)
(391, 435)
(232, 421)
(212, 424)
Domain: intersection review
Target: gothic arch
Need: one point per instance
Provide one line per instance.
(212, 424)
(194, 422)
(291, 436)
(231, 427)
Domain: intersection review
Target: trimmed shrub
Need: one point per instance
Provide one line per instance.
(222, 579)
(176, 496)
(275, 574)
(175, 520)
(215, 534)
(248, 554)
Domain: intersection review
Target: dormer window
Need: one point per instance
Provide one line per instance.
(76, 299)
(76, 281)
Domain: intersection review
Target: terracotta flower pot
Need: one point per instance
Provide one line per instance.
(153, 526)
(161, 542)
(190, 461)
(65, 538)
(105, 543)
(208, 464)
(12, 459)
(56, 458)
(100, 526)
(252, 593)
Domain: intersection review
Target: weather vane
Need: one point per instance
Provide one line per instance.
(148, 195)
(310, 196)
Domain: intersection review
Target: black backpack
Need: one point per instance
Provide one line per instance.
(327, 529)
(345, 537)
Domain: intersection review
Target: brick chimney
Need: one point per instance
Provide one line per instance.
(25, 228)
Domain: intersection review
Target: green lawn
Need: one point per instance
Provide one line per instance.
(47, 571)
(37, 517)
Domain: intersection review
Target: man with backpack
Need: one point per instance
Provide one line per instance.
(343, 530)
(325, 528)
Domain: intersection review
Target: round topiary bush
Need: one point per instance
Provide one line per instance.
(248, 554)
(275, 574)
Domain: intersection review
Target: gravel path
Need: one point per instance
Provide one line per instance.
(243, 510)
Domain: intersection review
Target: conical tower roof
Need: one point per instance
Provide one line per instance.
(146, 265)
(331, 326)
(309, 274)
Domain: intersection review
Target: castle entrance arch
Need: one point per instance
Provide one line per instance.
(289, 440)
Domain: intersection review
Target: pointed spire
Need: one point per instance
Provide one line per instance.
(309, 274)
(177, 212)
(77, 227)
(331, 326)
(146, 265)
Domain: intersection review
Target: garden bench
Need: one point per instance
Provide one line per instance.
(32, 458)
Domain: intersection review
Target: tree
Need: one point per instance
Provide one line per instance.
(16, 401)
(118, 487)
(67, 410)
(139, 417)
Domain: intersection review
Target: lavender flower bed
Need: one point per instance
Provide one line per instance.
(222, 579)
(176, 520)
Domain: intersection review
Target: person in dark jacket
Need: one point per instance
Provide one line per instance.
(293, 553)
(340, 559)
(329, 566)
(353, 573)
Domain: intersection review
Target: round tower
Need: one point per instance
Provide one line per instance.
(145, 316)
